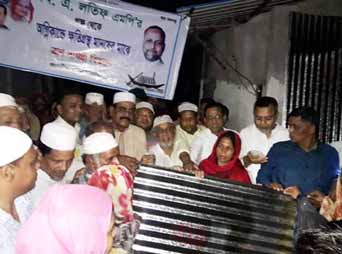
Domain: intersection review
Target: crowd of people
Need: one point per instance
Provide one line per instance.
(59, 159)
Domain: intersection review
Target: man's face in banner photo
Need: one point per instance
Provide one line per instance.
(154, 43)
(22, 10)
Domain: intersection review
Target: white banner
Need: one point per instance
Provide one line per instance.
(111, 43)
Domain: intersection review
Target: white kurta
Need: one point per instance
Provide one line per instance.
(164, 160)
(253, 139)
(9, 226)
(132, 142)
(186, 137)
(43, 183)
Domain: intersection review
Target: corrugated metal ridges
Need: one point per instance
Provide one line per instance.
(184, 215)
(217, 13)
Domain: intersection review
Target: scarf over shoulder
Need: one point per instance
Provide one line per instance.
(233, 170)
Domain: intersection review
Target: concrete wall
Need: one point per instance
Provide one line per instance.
(259, 50)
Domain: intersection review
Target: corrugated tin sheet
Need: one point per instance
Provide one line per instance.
(184, 215)
(225, 11)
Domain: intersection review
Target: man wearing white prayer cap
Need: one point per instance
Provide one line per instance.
(188, 128)
(144, 115)
(57, 145)
(169, 152)
(99, 149)
(94, 110)
(131, 139)
(70, 109)
(9, 113)
(19, 162)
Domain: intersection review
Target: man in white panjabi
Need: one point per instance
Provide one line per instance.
(57, 145)
(19, 162)
(258, 138)
(131, 139)
(169, 152)
(188, 128)
(214, 119)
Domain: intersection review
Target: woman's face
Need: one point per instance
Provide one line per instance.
(110, 235)
(224, 151)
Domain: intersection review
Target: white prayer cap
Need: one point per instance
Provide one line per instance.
(187, 106)
(7, 100)
(99, 142)
(59, 136)
(162, 119)
(123, 96)
(14, 144)
(96, 98)
(145, 104)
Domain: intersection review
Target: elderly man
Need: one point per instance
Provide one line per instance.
(57, 145)
(104, 171)
(69, 109)
(104, 127)
(19, 162)
(188, 128)
(258, 138)
(131, 139)
(99, 149)
(214, 119)
(168, 152)
(303, 165)
(154, 44)
(94, 110)
(9, 113)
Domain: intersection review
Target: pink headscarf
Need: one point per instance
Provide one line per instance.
(70, 219)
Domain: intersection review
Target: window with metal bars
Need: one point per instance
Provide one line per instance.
(315, 70)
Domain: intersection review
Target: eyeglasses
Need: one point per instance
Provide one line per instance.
(215, 117)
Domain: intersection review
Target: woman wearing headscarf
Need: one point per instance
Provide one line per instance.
(224, 161)
(70, 219)
(117, 181)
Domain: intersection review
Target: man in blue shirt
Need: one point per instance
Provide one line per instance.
(303, 165)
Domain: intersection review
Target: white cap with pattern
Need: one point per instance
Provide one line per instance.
(92, 98)
(99, 142)
(145, 104)
(123, 97)
(187, 106)
(162, 119)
